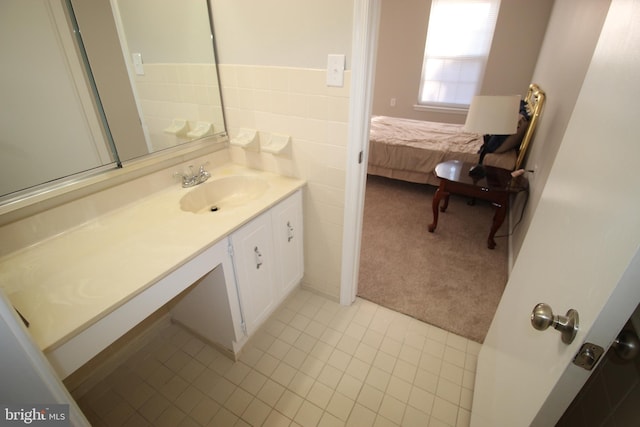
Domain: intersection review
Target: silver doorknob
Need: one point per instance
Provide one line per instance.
(626, 345)
(542, 317)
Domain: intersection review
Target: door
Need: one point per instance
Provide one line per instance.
(287, 241)
(581, 250)
(253, 255)
(29, 383)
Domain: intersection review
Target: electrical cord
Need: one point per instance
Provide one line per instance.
(524, 206)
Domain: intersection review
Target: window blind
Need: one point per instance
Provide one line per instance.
(458, 42)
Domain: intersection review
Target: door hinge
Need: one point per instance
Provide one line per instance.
(360, 157)
(230, 249)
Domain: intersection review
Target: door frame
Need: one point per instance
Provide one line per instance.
(366, 16)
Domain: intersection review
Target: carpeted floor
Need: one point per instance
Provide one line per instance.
(448, 278)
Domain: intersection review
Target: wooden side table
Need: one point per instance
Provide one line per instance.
(496, 187)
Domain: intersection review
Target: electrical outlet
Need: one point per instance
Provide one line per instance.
(392, 102)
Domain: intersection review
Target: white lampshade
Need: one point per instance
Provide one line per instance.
(493, 115)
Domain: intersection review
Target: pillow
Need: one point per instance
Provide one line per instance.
(513, 141)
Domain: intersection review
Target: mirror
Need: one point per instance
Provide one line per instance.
(168, 46)
(52, 126)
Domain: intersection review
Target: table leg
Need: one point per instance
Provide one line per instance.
(437, 197)
(498, 219)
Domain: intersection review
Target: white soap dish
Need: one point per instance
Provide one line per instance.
(201, 130)
(277, 144)
(178, 127)
(247, 139)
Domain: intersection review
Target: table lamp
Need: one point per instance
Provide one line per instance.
(491, 115)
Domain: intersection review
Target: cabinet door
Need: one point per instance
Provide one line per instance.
(288, 242)
(254, 259)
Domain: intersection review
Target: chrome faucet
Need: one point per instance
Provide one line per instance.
(195, 178)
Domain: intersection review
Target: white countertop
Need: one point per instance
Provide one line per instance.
(65, 284)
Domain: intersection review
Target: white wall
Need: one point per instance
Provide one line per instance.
(272, 59)
(572, 34)
(286, 33)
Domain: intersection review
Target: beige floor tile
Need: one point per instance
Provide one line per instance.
(464, 418)
(421, 400)
(365, 353)
(330, 376)
(189, 399)
(222, 390)
(319, 394)
(358, 369)
(170, 418)
(458, 342)
(238, 401)
(204, 411)
(378, 379)
(426, 380)
(384, 361)
(414, 418)
(276, 419)
(454, 356)
(451, 372)
(267, 364)
(314, 363)
(223, 417)
(350, 386)
(295, 357)
(340, 406)
(271, 392)
(329, 420)
(392, 409)
(339, 359)
(289, 403)
(301, 384)
(279, 349)
(256, 413)
(444, 411)
(253, 382)
(237, 372)
(370, 397)
(399, 388)
(361, 416)
(449, 391)
(283, 374)
(308, 415)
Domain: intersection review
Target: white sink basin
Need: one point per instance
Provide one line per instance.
(222, 193)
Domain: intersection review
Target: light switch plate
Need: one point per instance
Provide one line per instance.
(335, 70)
(137, 63)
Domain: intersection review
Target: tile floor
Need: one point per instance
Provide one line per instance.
(313, 363)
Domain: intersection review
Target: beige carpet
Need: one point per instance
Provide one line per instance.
(448, 278)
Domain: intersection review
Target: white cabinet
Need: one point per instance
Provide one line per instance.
(249, 275)
(268, 256)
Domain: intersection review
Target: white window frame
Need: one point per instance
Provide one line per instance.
(458, 42)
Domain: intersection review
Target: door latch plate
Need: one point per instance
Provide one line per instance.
(588, 356)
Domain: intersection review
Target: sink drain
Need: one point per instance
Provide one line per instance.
(213, 208)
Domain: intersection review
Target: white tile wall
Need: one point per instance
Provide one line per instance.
(177, 91)
(298, 103)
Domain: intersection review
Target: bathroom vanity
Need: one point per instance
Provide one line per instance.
(230, 262)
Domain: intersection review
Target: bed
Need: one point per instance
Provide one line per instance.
(409, 150)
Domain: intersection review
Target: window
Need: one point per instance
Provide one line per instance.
(458, 42)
